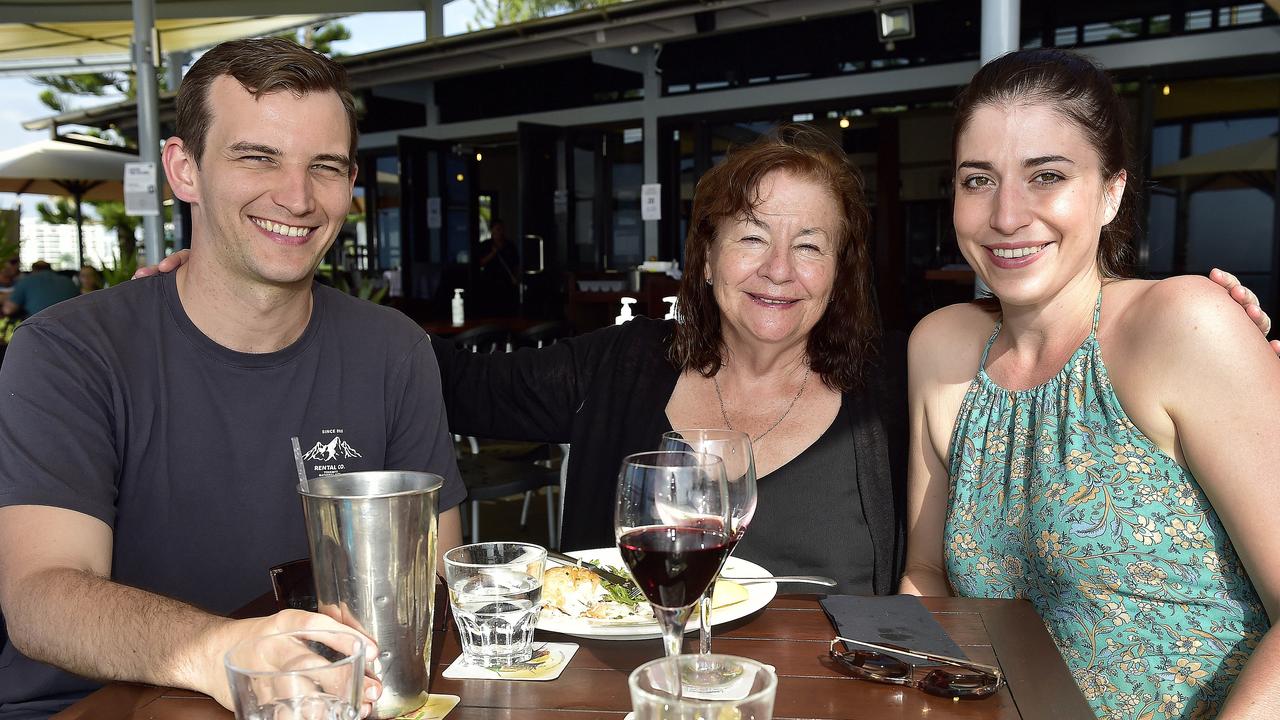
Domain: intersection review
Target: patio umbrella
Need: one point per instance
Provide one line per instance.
(58, 167)
(1248, 164)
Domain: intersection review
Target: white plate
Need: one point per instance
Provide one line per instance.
(758, 595)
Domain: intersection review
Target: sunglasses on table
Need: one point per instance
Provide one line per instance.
(972, 681)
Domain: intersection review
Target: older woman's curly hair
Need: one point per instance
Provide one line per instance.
(843, 339)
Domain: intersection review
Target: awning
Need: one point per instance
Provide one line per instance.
(50, 46)
(1255, 156)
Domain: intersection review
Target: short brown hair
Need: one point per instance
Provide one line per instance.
(1081, 93)
(844, 337)
(263, 66)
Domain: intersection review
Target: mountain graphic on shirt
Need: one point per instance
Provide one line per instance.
(332, 450)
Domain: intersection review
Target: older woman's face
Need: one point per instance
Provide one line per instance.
(772, 278)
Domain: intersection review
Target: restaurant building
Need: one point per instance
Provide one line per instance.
(575, 130)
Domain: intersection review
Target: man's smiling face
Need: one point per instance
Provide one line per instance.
(274, 184)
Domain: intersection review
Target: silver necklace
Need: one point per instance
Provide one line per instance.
(716, 380)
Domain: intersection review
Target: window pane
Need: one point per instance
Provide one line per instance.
(1230, 229)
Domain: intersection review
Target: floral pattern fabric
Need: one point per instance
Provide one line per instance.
(1056, 497)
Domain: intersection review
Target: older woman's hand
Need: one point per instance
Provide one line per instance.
(167, 265)
(1247, 300)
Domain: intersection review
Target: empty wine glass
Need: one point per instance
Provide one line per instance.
(672, 527)
(734, 449)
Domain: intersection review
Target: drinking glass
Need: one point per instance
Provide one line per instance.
(734, 448)
(495, 590)
(672, 528)
(744, 690)
(305, 674)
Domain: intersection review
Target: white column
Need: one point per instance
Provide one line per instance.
(434, 12)
(144, 13)
(1000, 23)
(652, 143)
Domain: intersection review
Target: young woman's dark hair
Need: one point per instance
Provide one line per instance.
(844, 337)
(1075, 88)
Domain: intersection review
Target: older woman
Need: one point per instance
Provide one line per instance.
(777, 340)
(1132, 500)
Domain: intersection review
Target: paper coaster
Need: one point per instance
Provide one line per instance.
(548, 661)
(436, 708)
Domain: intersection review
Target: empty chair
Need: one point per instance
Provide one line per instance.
(543, 334)
(483, 339)
(489, 477)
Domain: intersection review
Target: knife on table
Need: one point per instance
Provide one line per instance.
(609, 575)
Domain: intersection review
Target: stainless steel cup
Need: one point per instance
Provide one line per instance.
(373, 553)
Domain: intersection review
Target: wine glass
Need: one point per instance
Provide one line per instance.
(734, 448)
(672, 528)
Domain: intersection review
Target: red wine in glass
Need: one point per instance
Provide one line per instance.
(674, 565)
(672, 525)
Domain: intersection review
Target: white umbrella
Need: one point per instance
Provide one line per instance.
(59, 167)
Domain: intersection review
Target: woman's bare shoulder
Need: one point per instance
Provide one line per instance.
(950, 339)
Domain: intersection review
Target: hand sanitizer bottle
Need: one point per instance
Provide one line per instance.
(625, 315)
(459, 317)
(672, 312)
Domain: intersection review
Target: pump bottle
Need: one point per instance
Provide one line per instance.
(459, 316)
(625, 315)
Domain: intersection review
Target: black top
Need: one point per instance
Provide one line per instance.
(814, 495)
(606, 393)
(115, 405)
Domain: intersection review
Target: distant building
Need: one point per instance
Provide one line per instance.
(56, 244)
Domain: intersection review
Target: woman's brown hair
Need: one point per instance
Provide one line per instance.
(844, 337)
(1079, 91)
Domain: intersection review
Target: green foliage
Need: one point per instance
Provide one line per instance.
(9, 221)
(491, 13)
(367, 288)
(319, 37)
(7, 326)
(124, 268)
(62, 211)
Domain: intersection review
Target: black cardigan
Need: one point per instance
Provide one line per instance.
(606, 394)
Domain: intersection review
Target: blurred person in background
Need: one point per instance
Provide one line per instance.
(37, 290)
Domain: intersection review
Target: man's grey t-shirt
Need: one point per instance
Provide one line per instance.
(115, 405)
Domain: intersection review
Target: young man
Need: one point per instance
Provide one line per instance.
(148, 481)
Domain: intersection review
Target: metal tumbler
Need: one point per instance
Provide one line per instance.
(373, 553)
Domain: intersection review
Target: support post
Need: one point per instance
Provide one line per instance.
(181, 210)
(652, 91)
(1001, 20)
(144, 48)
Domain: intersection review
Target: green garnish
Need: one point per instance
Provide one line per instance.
(628, 594)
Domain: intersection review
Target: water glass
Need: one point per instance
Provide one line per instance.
(495, 591)
(300, 675)
(703, 687)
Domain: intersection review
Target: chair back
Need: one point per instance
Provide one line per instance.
(543, 334)
(482, 339)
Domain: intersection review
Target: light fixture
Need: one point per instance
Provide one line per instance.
(479, 156)
(1165, 90)
(459, 177)
(896, 23)
(844, 122)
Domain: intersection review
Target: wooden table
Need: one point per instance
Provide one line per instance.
(791, 634)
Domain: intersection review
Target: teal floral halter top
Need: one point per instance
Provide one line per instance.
(1056, 497)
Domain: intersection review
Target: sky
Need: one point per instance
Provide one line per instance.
(369, 31)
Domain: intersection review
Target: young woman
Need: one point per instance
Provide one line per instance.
(1132, 500)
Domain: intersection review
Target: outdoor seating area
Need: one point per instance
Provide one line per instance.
(639, 359)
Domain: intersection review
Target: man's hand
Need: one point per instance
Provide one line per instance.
(224, 637)
(1247, 300)
(167, 265)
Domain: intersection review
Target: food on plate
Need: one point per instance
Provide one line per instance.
(579, 593)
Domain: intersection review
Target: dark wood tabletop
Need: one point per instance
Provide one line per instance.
(791, 634)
